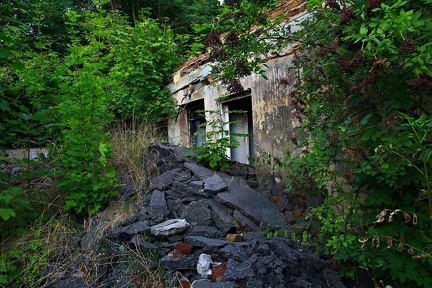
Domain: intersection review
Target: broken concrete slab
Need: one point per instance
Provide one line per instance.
(222, 219)
(250, 203)
(214, 184)
(183, 189)
(199, 171)
(164, 180)
(161, 157)
(138, 242)
(243, 222)
(135, 228)
(174, 261)
(199, 241)
(203, 283)
(169, 228)
(205, 231)
(238, 270)
(197, 184)
(158, 203)
(197, 213)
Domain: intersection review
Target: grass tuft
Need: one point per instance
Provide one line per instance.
(25, 258)
(129, 144)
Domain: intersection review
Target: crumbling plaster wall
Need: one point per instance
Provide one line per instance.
(273, 118)
(274, 122)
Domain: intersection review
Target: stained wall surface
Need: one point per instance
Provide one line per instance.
(273, 120)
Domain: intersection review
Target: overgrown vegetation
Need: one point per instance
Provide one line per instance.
(73, 70)
(363, 99)
(218, 139)
(369, 156)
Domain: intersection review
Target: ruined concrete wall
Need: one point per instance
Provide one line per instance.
(178, 128)
(274, 122)
(273, 118)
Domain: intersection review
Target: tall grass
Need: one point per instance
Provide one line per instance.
(26, 258)
(129, 143)
(43, 252)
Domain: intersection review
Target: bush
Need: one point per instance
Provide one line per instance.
(364, 101)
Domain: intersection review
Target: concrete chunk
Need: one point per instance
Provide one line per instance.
(135, 228)
(164, 180)
(244, 222)
(197, 213)
(158, 205)
(250, 203)
(199, 241)
(204, 266)
(199, 170)
(214, 184)
(169, 227)
(221, 217)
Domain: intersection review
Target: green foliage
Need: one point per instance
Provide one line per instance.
(240, 51)
(20, 196)
(213, 152)
(364, 101)
(363, 98)
(30, 254)
(275, 231)
(25, 257)
(84, 109)
(183, 16)
(138, 82)
(335, 231)
(71, 75)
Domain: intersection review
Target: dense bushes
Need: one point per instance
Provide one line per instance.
(364, 102)
(364, 97)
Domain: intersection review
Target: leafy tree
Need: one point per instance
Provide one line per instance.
(70, 96)
(187, 19)
(375, 60)
(243, 30)
(138, 82)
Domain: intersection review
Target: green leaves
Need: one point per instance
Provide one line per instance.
(6, 213)
(213, 152)
(85, 109)
(137, 83)
(364, 96)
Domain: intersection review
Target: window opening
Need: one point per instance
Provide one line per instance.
(240, 123)
(197, 122)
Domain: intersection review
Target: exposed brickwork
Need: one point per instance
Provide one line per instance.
(290, 8)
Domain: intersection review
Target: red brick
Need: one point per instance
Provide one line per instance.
(218, 273)
(184, 284)
(183, 248)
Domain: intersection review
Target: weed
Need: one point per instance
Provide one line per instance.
(219, 139)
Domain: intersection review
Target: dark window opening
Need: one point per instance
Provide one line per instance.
(197, 122)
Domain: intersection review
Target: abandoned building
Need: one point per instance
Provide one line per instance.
(268, 118)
